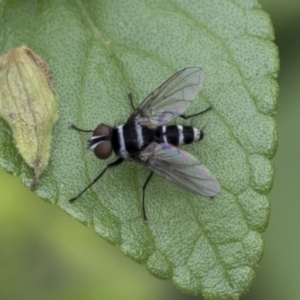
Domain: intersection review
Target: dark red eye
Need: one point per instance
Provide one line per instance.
(102, 129)
(104, 149)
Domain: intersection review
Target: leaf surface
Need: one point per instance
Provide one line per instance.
(99, 51)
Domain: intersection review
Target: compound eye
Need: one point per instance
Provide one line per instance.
(102, 129)
(103, 150)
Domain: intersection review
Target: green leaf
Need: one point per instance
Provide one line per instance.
(98, 51)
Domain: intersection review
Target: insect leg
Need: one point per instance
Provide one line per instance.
(72, 126)
(131, 100)
(196, 114)
(113, 164)
(144, 188)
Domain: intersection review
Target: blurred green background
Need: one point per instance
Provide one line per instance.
(46, 255)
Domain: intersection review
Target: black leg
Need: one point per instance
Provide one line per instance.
(72, 126)
(143, 203)
(113, 164)
(194, 115)
(131, 100)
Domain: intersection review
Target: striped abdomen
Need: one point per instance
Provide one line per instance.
(131, 138)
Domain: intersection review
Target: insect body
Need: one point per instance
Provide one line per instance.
(145, 138)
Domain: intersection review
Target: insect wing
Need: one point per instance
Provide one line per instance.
(171, 99)
(181, 168)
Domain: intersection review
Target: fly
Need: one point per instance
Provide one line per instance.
(145, 138)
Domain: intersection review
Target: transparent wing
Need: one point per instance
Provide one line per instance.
(170, 99)
(181, 168)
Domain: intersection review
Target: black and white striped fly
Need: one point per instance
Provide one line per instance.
(145, 139)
